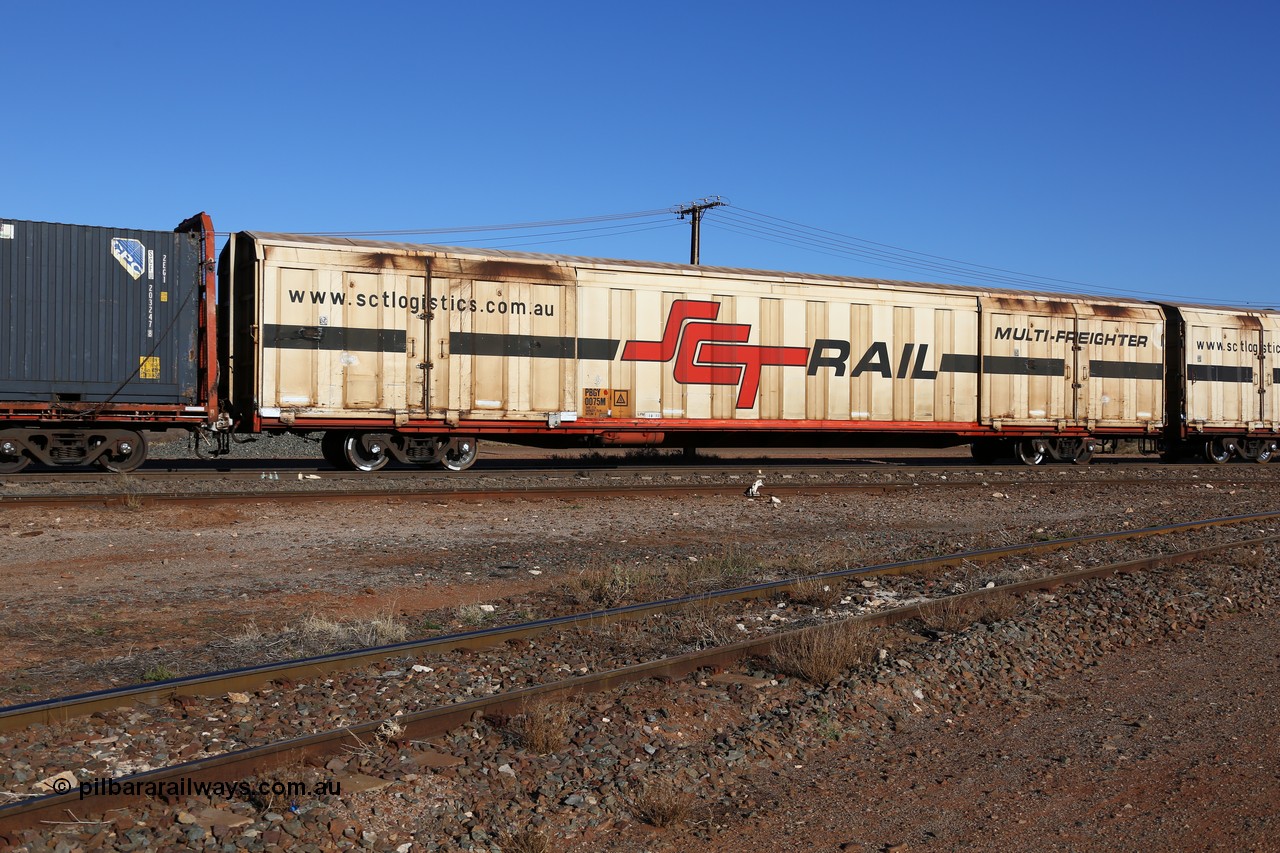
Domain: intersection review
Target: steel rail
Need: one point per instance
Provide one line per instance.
(437, 721)
(15, 717)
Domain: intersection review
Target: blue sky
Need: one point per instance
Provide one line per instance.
(1126, 147)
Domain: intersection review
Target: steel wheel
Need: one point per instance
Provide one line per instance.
(357, 456)
(13, 460)
(127, 454)
(1259, 450)
(1032, 451)
(460, 454)
(1216, 451)
(1085, 453)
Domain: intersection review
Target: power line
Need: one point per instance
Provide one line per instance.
(471, 229)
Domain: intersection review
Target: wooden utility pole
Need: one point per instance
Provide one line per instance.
(695, 210)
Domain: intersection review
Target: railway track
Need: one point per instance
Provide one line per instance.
(304, 485)
(431, 721)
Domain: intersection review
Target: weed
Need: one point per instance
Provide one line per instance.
(527, 840)
(378, 630)
(541, 726)
(384, 734)
(999, 608)
(159, 672)
(822, 654)
(947, 615)
(816, 592)
(707, 624)
(473, 615)
(610, 586)
(723, 571)
(317, 635)
(661, 804)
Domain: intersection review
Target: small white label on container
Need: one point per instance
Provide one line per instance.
(6, 230)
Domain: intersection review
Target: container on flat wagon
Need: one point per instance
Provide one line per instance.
(98, 315)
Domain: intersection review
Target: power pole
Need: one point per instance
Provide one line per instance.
(695, 210)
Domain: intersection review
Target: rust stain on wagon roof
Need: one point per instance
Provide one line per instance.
(1039, 306)
(397, 261)
(498, 270)
(1120, 312)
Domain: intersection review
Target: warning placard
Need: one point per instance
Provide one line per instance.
(148, 367)
(620, 404)
(595, 402)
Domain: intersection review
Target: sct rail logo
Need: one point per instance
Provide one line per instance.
(713, 353)
(131, 254)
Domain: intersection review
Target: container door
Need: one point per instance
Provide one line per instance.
(341, 343)
(1222, 363)
(510, 351)
(1027, 364)
(1269, 379)
(1120, 364)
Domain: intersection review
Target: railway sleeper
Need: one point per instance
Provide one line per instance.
(119, 450)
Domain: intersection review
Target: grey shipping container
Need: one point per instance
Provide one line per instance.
(98, 315)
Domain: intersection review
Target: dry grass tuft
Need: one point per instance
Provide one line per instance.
(816, 592)
(707, 624)
(610, 586)
(947, 615)
(380, 630)
(315, 635)
(661, 804)
(822, 654)
(527, 840)
(541, 727)
(722, 571)
(1001, 607)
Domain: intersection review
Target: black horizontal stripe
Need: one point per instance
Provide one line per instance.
(1275, 376)
(598, 348)
(1219, 373)
(1018, 366)
(952, 362)
(1126, 369)
(346, 338)
(531, 346)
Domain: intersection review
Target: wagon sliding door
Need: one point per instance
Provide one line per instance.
(1119, 354)
(502, 349)
(340, 343)
(1026, 367)
(1223, 378)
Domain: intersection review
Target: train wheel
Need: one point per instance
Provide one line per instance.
(128, 454)
(1216, 451)
(12, 459)
(1259, 450)
(331, 449)
(1032, 451)
(460, 454)
(356, 455)
(1085, 454)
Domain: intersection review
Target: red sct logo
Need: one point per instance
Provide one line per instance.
(712, 353)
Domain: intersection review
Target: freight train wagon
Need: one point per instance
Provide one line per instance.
(108, 333)
(1223, 382)
(415, 352)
